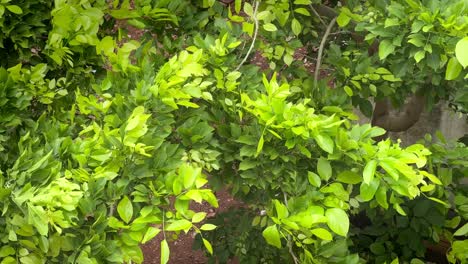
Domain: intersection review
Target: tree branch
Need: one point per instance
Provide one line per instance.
(319, 56)
(254, 38)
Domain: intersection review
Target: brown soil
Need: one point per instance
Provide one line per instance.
(181, 249)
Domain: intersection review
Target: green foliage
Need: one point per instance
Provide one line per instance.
(107, 140)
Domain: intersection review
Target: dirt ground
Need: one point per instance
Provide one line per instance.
(181, 249)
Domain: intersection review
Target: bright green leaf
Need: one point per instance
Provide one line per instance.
(325, 142)
(322, 233)
(270, 27)
(15, 9)
(369, 171)
(324, 168)
(385, 48)
(125, 209)
(150, 233)
(208, 246)
(337, 221)
(461, 51)
(314, 179)
(462, 230)
(296, 27)
(177, 225)
(453, 69)
(164, 252)
(272, 236)
(349, 177)
(198, 217)
(367, 191)
(207, 227)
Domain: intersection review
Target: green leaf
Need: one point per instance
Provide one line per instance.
(248, 9)
(462, 230)
(177, 225)
(150, 233)
(198, 217)
(296, 27)
(260, 145)
(314, 179)
(272, 236)
(164, 252)
(337, 221)
(367, 191)
(453, 69)
(381, 196)
(189, 174)
(388, 166)
(343, 19)
(322, 233)
(349, 177)
(270, 27)
(207, 227)
(125, 209)
(302, 11)
(15, 9)
(398, 208)
(417, 261)
(433, 178)
(419, 55)
(288, 59)
(369, 171)
(324, 168)
(237, 6)
(208, 246)
(281, 210)
(325, 142)
(461, 51)
(439, 201)
(302, 2)
(348, 90)
(385, 48)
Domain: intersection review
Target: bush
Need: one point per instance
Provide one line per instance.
(106, 139)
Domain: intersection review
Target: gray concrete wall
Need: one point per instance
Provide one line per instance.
(452, 125)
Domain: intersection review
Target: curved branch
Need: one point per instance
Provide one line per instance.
(319, 56)
(254, 37)
(398, 122)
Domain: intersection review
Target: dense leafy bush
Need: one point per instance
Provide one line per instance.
(115, 115)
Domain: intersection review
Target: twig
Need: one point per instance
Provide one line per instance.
(253, 39)
(291, 252)
(111, 210)
(319, 56)
(317, 14)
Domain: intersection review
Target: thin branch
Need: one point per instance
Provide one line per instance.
(253, 39)
(111, 210)
(320, 52)
(317, 14)
(290, 244)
